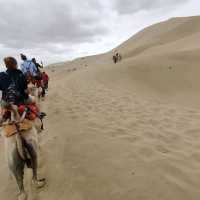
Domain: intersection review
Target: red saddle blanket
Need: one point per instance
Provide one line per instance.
(32, 113)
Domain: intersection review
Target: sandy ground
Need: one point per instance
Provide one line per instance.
(127, 131)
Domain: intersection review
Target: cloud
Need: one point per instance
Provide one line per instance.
(30, 23)
(130, 6)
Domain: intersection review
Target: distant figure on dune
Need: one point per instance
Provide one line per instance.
(114, 59)
(117, 57)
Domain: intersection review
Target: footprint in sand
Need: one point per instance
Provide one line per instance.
(162, 149)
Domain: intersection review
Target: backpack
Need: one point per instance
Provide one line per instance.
(12, 94)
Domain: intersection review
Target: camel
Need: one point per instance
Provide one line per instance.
(34, 96)
(21, 149)
(35, 91)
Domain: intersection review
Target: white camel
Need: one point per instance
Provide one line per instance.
(22, 149)
(35, 92)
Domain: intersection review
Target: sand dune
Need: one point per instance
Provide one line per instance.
(127, 131)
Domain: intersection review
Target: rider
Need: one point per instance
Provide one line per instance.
(38, 78)
(45, 79)
(28, 67)
(14, 87)
(13, 83)
(38, 66)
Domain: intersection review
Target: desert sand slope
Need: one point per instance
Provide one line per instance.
(158, 35)
(127, 131)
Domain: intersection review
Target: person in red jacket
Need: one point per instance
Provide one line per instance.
(45, 79)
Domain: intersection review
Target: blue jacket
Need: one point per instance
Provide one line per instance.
(29, 67)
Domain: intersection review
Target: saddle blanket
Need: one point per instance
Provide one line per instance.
(11, 129)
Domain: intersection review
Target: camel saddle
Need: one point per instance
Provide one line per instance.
(12, 129)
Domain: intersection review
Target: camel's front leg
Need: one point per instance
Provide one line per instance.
(16, 165)
(32, 145)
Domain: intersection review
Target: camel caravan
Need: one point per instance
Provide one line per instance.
(21, 118)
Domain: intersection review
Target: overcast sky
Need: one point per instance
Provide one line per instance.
(58, 30)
